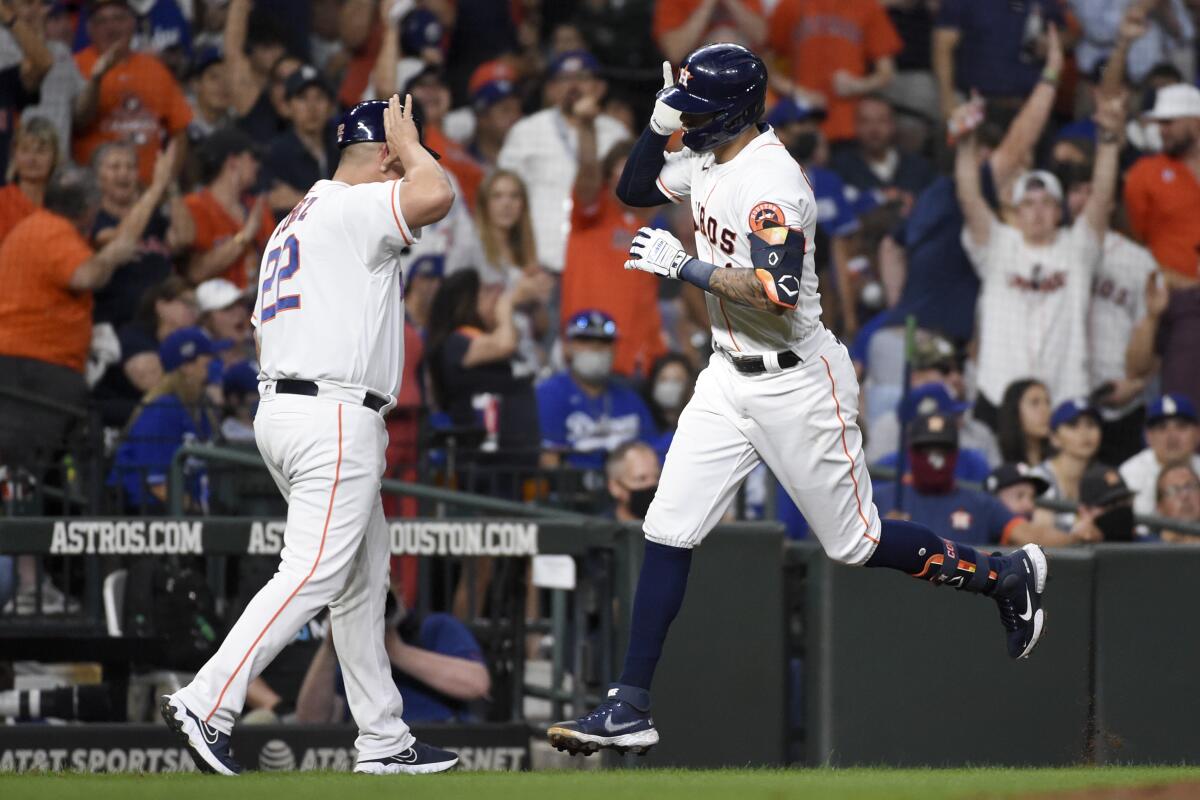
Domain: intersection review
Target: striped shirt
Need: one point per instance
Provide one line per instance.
(1118, 303)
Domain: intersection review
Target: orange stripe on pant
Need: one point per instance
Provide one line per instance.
(337, 474)
(838, 406)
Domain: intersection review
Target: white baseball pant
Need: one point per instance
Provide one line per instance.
(327, 457)
(802, 422)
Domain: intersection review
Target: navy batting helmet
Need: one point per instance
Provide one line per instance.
(364, 123)
(723, 84)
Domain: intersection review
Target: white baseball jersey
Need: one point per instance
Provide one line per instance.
(760, 185)
(330, 294)
(1033, 307)
(1118, 304)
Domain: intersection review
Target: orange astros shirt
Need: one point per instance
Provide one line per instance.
(214, 225)
(820, 37)
(139, 102)
(14, 207)
(594, 276)
(1162, 196)
(40, 317)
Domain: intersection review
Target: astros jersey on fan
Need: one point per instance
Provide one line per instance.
(342, 325)
(761, 186)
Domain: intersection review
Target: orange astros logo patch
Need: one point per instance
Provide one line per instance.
(765, 215)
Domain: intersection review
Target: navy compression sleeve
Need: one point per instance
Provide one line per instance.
(637, 184)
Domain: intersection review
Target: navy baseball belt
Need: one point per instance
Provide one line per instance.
(754, 365)
(309, 389)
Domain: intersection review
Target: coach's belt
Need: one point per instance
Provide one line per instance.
(309, 389)
(754, 365)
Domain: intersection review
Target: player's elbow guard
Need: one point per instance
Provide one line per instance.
(777, 254)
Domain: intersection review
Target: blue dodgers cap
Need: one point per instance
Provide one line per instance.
(240, 378)
(574, 62)
(183, 347)
(592, 324)
(1070, 410)
(1170, 406)
(788, 110)
(930, 398)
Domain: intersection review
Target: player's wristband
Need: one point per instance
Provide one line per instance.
(697, 272)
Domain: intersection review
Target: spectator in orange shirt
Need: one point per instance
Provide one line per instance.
(34, 157)
(49, 272)
(231, 226)
(601, 229)
(680, 26)
(840, 49)
(128, 95)
(1162, 192)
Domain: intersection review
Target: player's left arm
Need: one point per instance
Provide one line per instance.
(771, 285)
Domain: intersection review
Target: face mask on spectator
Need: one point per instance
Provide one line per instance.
(933, 469)
(1116, 524)
(592, 365)
(639, 500)
(804, 145)
(669, 394)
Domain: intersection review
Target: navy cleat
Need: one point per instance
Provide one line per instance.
(1019, 585)
(209, 747)
(418, 759)
(622, 723)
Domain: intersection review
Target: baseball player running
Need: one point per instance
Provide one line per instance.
(329, 326)
(780, 388)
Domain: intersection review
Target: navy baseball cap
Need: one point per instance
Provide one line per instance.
(420, 29)
(1013, 473)
(574, 62)
(208, 57)
(788, 110)
(930, 398)
(240, 378)
(933, 430)
(301, 79)
(1170, 406)
(1070, 410)
(491, 82)
(1102, 485)
(364, 123)
(183, 347)
(592, 324)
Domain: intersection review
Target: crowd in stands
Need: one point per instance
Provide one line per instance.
(1008, 241)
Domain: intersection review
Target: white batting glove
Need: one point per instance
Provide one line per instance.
(665, 120)
(657, 252)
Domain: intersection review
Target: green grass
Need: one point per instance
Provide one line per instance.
(609, 784)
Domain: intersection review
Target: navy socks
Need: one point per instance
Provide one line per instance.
(660, 589)
(920, 552)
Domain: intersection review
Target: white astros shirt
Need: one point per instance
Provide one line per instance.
(1118, 304)
(330, 297)
(1033, 309)
(761, 184)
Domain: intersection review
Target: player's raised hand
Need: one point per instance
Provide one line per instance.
(658, 252)
(665, 120)
(399, 129)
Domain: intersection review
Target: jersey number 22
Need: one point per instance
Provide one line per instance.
(276, 275)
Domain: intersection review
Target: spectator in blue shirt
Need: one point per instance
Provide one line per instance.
(873, 163)
(932, 497)
(437, 665)
(585, 414)
(171, 414)
(973, 463)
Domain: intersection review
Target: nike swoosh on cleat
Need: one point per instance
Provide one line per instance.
(209, 732)
(1028, 615)
(611, 728)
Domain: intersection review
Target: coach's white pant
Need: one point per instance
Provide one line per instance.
(802, 422)
(327, 458)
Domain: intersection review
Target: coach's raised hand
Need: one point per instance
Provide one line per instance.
(428, 195)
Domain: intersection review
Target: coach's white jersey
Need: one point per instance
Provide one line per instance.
(330, 298)
(761, 184)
